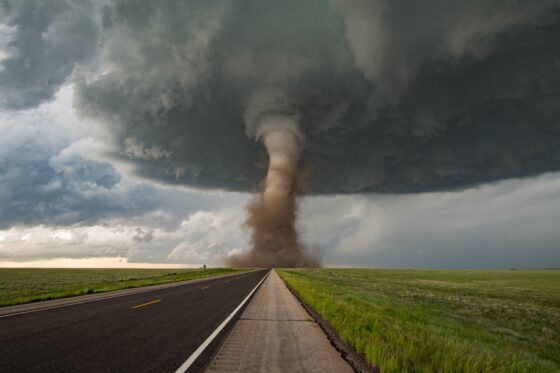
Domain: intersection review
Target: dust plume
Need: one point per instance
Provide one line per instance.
(272, 215)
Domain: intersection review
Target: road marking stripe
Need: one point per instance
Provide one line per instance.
(205, 287)
(186, 365)
(146, 304)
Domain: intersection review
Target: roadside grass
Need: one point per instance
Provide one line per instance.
(440, 321)
(27, 285)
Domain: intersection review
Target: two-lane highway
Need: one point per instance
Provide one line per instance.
(145, 332)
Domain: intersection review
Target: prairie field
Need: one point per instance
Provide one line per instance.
(35, 284)
(440, 320)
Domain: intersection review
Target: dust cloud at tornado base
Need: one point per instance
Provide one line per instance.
(272, 215)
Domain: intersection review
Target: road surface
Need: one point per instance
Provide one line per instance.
(276, 334)
(141, 332)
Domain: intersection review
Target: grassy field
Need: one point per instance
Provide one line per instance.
(31, 285)
(441, 321)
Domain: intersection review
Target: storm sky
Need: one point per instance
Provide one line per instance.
(129, 129)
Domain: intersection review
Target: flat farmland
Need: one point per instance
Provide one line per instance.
(440, 321)
(19, 286)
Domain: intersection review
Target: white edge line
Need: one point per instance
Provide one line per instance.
(186, 365)
(140, 291)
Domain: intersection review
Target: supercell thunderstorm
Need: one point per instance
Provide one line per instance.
(358, 95)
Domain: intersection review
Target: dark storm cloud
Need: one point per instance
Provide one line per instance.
(48, 39)
(52, 174)
(49, 182)
(392, 96)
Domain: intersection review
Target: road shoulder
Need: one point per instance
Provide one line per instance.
(276, 334)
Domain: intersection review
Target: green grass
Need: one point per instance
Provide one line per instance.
(441, 321)
(31, 285)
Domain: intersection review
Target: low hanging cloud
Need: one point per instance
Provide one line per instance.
(52, 173)
(443, 95)
(201, 238)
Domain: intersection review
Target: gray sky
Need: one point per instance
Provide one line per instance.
(434, 145)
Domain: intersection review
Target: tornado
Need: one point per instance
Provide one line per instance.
(363, 100)
(272, 216)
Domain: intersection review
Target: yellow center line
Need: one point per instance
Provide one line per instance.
(147, 304)
(206, 287)
(226, 281)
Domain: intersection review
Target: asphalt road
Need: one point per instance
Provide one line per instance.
(154, 331)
